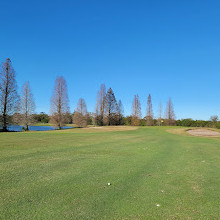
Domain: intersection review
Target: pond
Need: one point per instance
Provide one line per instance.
(34, 128)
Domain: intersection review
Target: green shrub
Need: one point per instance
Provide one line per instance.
(218, 125)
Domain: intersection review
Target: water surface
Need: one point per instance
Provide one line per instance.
(34, 128)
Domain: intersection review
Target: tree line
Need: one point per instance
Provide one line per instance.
(211, 123)
(20, 108)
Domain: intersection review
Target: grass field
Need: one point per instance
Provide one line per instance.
(154, 174)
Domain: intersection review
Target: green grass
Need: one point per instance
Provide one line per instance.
(64, 175)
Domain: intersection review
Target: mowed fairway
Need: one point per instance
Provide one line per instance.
(153, 174)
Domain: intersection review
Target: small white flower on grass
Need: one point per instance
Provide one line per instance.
(109, 184)
(158, 205)
(162, 191)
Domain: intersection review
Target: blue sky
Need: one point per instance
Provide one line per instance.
(166, 48)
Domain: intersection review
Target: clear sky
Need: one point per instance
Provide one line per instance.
(166, 48)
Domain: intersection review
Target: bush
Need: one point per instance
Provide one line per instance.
(194, 123)
(41, 118)
(127, 120)
(143, 122)
(218, 125)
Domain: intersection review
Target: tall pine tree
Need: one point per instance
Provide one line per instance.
(111, 108)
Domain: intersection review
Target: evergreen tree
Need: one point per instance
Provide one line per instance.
(111, 108)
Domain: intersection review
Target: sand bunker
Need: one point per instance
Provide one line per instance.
(204, 133)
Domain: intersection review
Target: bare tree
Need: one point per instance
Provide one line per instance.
(80, 117)
(170, 115)
(120, 112)
(68, 118)
(59, 103)
(27, 106)
(149, 117)
(214, 119)
(159, 120)
(100, 105)
(8, 93)
(136, 112)
(111, 108)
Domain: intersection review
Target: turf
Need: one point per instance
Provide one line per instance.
(64, 175)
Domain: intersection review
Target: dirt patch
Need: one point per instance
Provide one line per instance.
(204, 133)
(179, 131)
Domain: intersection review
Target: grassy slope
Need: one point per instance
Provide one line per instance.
(64, 174)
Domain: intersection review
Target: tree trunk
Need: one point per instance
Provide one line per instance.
(4, 112)
(5, 104)
(4, 128)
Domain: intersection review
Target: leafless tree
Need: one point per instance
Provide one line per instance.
(68, 118)
(100, 106)
(8, 93)
(149, 116)
(136, 111)
(111, 108)
(159, 120)
(59, 103)
(120, 112)
(214, 119)
(27, 106)
(94, 118)
(80, 117)
(170, 115)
